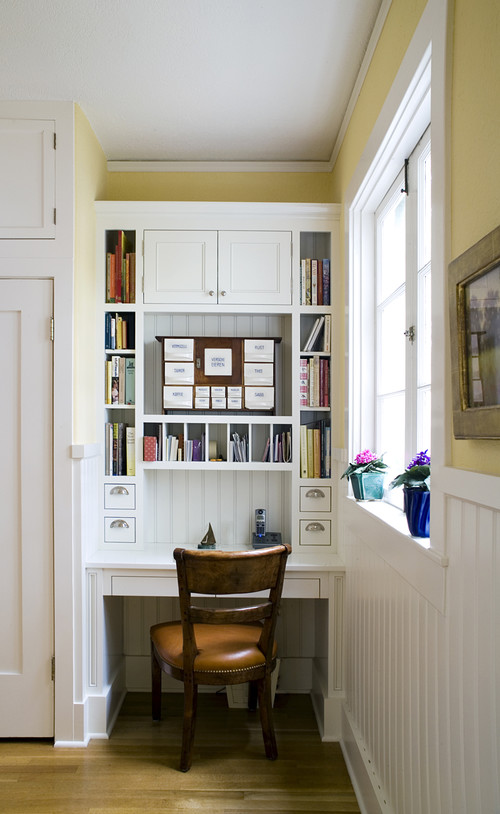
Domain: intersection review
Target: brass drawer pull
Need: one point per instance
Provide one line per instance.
(315, 527)
(119, 490)
(315, 493)
(119, 524)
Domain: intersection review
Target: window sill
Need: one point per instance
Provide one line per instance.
(383, 529)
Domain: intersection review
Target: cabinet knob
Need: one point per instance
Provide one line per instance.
(315, 493)
(211, 293)
(315, 527)
(223, 293)
(119, 490)
(119, 524)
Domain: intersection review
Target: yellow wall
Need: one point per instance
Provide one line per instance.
(474, 138)
(90, 184)
(310, 187)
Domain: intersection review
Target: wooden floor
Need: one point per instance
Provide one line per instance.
(135, 771)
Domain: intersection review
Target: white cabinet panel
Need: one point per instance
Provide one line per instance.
(255, 268)
(315, 498)
(180, 266)
(27, 170)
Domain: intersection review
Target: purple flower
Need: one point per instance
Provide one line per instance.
(422, 459)
(365, 457)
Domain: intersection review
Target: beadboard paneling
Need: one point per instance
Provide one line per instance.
(422, 687)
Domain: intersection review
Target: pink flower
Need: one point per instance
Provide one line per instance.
(365, 457)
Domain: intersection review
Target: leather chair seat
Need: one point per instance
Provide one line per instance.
(221, 648)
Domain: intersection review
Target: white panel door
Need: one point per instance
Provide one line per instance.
(180, 266)
(255, 268)
(27, 172)
(26, 538)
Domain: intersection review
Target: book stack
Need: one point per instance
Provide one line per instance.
(315, 450)
(119, 380)
(120, 272)
(238, 448)
(319, 337)
(282, 447)
(119, 456)
(314, 281)
(119, 333)
(315, 382)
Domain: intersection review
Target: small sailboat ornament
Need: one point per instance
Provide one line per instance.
(208, 540)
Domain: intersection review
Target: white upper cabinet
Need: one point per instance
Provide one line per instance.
(217, 267)
(28, 187)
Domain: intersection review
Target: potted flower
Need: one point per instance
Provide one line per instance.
(366, 475)
(415, 481)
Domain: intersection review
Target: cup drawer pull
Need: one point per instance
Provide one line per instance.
(315, 527)
(119, 490)
(119, 524)
(315, 493)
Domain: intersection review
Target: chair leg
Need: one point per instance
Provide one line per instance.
(252, 695)
(190, 704)
(266, 717)
(155, 686)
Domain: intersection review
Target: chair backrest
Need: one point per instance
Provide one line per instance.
(223, 573)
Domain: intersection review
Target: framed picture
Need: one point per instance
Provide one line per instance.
(474, 301)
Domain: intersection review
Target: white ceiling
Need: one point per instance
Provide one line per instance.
(193, 80)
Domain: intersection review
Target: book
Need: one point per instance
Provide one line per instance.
(130, 446)
(326, 282)
(314, 282)
(150, 448)
(314, 333)
(320, 282)
(327, 333)
(303, 451)
(129, 381)
(304, 382)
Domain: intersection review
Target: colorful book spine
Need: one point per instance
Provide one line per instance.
(326, 281)
(304, 382)
(130, 446)
(130, 381)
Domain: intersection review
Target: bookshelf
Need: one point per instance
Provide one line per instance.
(169, 468)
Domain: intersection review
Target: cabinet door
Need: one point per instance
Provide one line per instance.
(27, 170)
(255, 268)
(180, 266)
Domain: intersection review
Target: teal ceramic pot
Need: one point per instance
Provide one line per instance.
(417, 506)
(368, 485)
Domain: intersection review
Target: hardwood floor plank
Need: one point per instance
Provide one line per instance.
(136, 770)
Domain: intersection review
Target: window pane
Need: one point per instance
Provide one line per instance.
(425, 210)
(391, 431)
(392, 249)
(424, 419)
(424, 328)
(391, 346)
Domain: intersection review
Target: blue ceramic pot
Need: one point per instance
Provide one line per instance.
(368, 486)
(417, 506)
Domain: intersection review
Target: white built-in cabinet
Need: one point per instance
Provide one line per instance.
(217, 270)
(209, 268)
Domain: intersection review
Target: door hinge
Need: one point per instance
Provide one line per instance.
(410, 333)
(55, 213)
(55, 141)
(52, 329)
(53, 668)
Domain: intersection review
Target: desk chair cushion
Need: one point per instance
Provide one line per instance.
(221, 648)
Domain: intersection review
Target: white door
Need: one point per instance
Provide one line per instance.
(180, 266)
(255, 268)
(26, 537)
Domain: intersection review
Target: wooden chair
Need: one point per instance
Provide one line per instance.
(218, 645)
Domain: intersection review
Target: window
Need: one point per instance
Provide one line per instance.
(402, 305)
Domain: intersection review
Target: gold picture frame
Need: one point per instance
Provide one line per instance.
(474, 303)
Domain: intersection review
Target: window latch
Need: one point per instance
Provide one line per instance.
(410, 333)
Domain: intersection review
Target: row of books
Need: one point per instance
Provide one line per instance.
(119, 380)
(120, 272)
(119, 331)
(319, 337)
(282, 448)
(119, 449)
(315, 382)
(314, 281)
(160, 447)
(315, 450)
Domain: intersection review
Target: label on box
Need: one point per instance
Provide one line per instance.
(233, 403)
(259, 374)
(218, 362)
(259, 398)
(201, 403)
(176, 398)
(180, 349)
(202, 392)
(259, 350)
(218, 403)
(218, 392)
(179, 372)
(234, 392)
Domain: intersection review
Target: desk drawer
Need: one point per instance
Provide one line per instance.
(315, 532)
(119, 529)
(315, 498)
(144, 586)
(119, 496)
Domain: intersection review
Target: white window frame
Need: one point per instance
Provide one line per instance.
(409, 102)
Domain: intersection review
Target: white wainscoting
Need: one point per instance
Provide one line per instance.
(421, 719)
